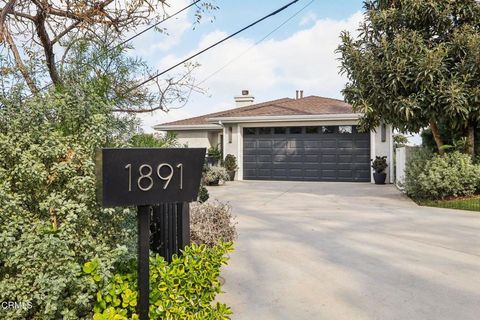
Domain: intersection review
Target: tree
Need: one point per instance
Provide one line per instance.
(415, 65)
(145, 140)
(37, 30)
(399, 140)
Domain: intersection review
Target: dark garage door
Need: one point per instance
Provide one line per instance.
(324, 153)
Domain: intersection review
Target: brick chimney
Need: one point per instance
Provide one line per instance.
(245, 99)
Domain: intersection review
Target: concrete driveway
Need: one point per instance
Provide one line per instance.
(312, 250)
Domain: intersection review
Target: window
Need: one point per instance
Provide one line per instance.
(264, 130)
(295, 130)
(230, 134)
(345, 129)
(384, 132)
(311, 130)
(329, 129)
(280, 130)
(249, 131)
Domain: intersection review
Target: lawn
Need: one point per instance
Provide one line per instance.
(471, 204)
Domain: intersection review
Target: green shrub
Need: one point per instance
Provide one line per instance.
(50, 223)
(214, 174)
(211, 223)
(148, 140)
(230, 162)
(184, 289)
(203, 194)
(215, 153)
(429, 176)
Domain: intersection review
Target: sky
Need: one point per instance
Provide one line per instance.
(298, 56)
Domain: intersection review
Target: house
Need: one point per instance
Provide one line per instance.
(303, 138)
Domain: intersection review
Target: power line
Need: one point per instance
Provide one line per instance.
(156, 24)
(256, 43)
(210, 47)
(141, 32)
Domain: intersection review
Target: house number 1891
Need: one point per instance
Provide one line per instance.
(145, 181)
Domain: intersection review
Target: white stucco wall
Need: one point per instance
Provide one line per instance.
(195, 138)
(231, 146)
(383, 148)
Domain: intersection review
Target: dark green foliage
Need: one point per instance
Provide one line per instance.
(147, 140)
(184, 289)
(379, 164)
(415, 63)
(230, 162)
(215, 153)
(431, 176)
(203, 194)
(50, 222)
(399, 140)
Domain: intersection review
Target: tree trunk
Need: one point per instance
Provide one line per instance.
(471, 139)
(437, 137)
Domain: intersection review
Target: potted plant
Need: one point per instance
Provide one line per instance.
(379, 165)
(214, 155)
(214, 174)
(230, 163)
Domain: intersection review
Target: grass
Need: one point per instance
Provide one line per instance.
(470, 204)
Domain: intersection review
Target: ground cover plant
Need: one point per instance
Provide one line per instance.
(183, 289)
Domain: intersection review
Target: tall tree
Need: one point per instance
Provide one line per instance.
(415, 64)
(36, 37)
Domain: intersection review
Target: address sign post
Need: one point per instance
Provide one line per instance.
(145, 178)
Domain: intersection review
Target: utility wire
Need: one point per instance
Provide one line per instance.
(210, 47)
(156, 24)
(141, 32)
(256, 43)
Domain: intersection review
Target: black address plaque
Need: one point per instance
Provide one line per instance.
(148, 176)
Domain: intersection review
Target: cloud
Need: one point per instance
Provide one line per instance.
(309, 18)
(151, 43)
(273, 69)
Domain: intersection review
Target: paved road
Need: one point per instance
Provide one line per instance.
(312, 250)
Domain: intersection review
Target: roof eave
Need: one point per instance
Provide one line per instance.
(310, 117)
(180, 127)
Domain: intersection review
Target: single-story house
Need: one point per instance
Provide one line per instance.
(303, 138)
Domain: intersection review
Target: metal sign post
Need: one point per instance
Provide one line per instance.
(158, 180)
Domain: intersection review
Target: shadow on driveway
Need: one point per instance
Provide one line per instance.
(313, 250)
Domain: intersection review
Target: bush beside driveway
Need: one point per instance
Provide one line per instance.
(312, 250)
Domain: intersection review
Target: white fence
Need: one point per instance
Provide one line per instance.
(402, 156)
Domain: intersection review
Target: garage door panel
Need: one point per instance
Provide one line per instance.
(264, 158)
(280, 143)
(311, 144)
(345, 144)
(279, 158)
(295, 173)
(249, 144)
(295, 144)
(360, 158)
(362, 143)
(345, 158)
(264, 144)
(312, 151)
(329, 158)
(310, 158)
(319, 157)
(263, 151)
(345, 166)
(329, 143)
